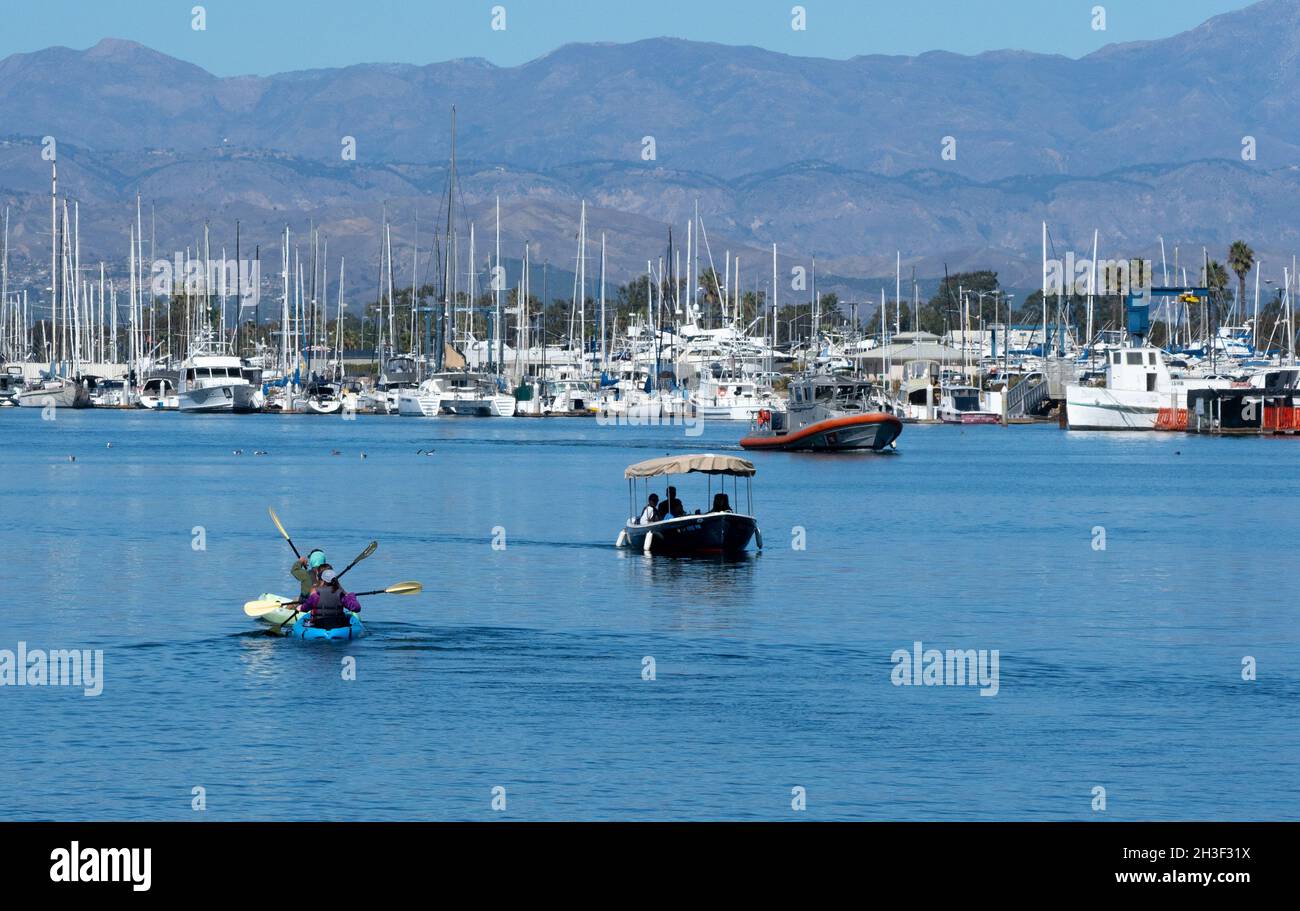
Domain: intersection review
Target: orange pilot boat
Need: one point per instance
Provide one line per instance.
(826, 414)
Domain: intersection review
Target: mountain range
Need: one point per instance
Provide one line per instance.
(838, 159)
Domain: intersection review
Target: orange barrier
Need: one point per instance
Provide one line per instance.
(1281, 419)
(1172, 419)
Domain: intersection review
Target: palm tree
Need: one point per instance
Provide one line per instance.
(1241, 259)
(1216, 279)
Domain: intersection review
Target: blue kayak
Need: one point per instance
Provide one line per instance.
(354, 630)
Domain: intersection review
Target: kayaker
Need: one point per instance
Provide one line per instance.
(305, 569)
(328, 602)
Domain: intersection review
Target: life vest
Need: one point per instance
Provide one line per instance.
(764, 418)
(329, 613)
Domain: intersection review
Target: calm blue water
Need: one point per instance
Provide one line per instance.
(521, 668)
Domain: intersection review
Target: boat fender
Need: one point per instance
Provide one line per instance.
(649, 540)
(758, 537)
(622, 539)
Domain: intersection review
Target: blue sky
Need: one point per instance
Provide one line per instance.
(268, 36)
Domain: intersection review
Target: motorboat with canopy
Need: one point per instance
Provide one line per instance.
(674, 531)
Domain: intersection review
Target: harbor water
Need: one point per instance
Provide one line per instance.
(1136, 589)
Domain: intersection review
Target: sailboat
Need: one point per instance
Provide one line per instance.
(54, 389)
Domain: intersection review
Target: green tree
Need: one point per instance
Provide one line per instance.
(1241, 259)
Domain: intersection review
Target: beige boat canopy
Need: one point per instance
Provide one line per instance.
(704, 463)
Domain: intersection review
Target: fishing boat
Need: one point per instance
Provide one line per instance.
(960, 404)
(826, 414)
(719, 530)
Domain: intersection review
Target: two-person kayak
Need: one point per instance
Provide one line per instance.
(300, 629)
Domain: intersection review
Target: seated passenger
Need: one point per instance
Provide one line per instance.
(721, 503)
(651, 511)
(671, 507)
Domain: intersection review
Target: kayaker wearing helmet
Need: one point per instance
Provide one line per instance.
(328, 602)
(304, 570)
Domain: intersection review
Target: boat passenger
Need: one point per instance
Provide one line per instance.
(328, 602)
(305, 569)
(671, 507)
(651, 511)
(721, 503)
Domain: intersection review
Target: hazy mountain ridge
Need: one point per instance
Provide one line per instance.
(840, 158)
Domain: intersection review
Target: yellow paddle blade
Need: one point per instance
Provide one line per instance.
(404, 588)
(276, 520)
(263, 607)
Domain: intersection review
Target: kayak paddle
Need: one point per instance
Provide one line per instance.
(276, 520)
(401, 588)
(261, 608)
(370, 549)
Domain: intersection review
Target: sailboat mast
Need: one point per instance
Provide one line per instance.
(498, 279)
(54, 261)
(604, 348)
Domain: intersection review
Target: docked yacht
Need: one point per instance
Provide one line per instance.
(730, 397)
(474, 395)
(398, 378)
(211, 382)
(422, 401)
(826, 414)
(961, 405)
(159, 391)
(319, 398)
(719, 531)
(568, 396)
(11, 383)
(106, 393)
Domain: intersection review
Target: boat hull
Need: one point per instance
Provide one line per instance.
(970, 417)
(66, 395)
(710, 534)
(845, 434)
(323, 406)
(412, 403)
(308, 633)
(1095, 408)
(496, 406)
(231, 398)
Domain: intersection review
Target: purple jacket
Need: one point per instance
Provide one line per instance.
(350, 603)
